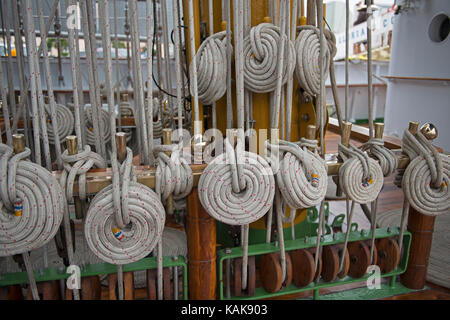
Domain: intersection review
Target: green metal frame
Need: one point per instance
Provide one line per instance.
(52, 274)
(308, 242)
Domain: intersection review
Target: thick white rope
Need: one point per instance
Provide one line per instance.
(308, 66)
(216, 191)
(90, 133)
(426, 179)
(76, 166)
(360, 177)
(261, 58)
(42, 200)
(126, 219)
(302, 174)
(387, 159)
(173, 174)
(65, 121)
(211, 68)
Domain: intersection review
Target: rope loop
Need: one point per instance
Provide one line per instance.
(261, 58)
(125, 220)
(307, 69)
(77, 165)
(301, 176)
(211, 70)
(173, 174)
(360, 177)
(217, 187)
(426, 179)
(32, 203)
(387, 159)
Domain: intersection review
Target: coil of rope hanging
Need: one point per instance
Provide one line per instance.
(32, 203)
(77, 165)
(90, 137)
(173, 174)
(65, 121)
(426, 179)
(125, 220)
(221, 196)
(302, 175)
(360, 177)
(261, 58)
(211, 70)
(307, 68)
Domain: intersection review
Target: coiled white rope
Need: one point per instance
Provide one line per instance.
(387, 159)
(217, 188)
(211, 68)
(125, 220)
(77, 165)
(173, 174)
(308, 66)
(90, 134)
(42, 201)
(302, 175)
(426, 179)
(65, 122)
(261, 58)
(360, 177)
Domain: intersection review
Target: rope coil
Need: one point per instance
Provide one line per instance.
(302, 174)
(261, 58)
(217, 193)
(307, 69)
(173, 174)
(90, 135)
(426, 179)
(360, 177)
(129, 207)
(43, 203)
(211, 68)
(65, 122)
(387, 159)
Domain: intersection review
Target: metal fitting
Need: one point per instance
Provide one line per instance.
(228, 250)
(175, 258)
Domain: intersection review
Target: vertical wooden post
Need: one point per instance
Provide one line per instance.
(201, 241)
(421, 227)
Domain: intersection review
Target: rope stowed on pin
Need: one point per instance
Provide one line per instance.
(302, 174)
(217, 187)
(307, 69)
(32, 203)
(261, 58)
(426, 179)
(211, 70)
(387, 159)
(77, 165)
(90, 136)
(360, 177)
(125, 220)
(65, 121)
(173, 174)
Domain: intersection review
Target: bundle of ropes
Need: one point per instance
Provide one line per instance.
(126, 219)
(65, 121)
(261, 58)
(360, 177)
(302, 174)
(426, 179)
(211, 70)
(32, 203)
(76, 166)
(173, 174)
(90, 136)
